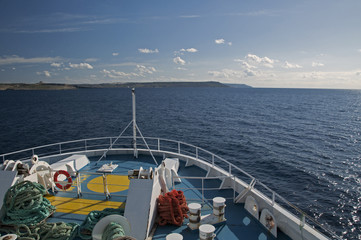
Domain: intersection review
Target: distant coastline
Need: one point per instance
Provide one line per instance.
(60, 86)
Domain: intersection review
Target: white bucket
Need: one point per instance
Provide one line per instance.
(174, 236)
(206, 232)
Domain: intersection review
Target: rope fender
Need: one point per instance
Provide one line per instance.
(172, 208)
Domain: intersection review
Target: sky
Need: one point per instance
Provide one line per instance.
(280, 44)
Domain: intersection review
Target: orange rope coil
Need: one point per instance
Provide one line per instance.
(172, 208)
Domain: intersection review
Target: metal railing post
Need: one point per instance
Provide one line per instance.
(158, 144)
(212, 160)
(32, 151)
(202, 190)
(178, 147)
(78, 184)
(197, 153)
(105, 185)
(230, 169)
(60, 148)
(273, 198)
(234, 188)
(85, 145)
(111, 143)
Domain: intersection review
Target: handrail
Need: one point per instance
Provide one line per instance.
(157, 147)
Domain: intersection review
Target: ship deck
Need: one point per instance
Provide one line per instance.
(239, 225)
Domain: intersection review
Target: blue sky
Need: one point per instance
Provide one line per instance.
(296, 44)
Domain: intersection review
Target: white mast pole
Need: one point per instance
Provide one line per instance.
(134, 126)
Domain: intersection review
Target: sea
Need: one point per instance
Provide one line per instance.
(303, 143)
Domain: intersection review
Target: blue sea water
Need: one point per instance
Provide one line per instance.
(305, 144)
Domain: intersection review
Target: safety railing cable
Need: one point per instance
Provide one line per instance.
(111, 145)
(146, 144)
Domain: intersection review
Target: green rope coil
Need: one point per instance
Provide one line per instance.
(93, 218)
(46, 231)
(24, 204)
(112, 231)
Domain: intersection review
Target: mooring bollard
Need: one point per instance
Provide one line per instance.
(206, 232)
(219, 207)
(174, 236)
(194, 215)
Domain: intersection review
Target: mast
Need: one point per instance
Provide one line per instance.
(134, 126)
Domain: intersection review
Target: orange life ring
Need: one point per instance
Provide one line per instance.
(68, 178)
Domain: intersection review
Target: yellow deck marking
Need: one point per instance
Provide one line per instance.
(83, 177)
(116, 183)
(81, 206)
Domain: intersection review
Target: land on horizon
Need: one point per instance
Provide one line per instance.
(62, 86)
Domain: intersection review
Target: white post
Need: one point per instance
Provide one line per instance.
(134, 126)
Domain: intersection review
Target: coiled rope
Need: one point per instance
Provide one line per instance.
(93, 218)
(112, 231)
(48, 231)
(172, 208)
(24, 204)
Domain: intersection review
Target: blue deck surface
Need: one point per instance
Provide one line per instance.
(239, 225)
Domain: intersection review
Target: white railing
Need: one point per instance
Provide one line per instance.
(202, 190)
(160, 145)
(77, 188)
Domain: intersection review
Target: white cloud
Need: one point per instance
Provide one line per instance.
(140, 71)
(245, 64)
(182, 69)
(143, 70)
(222, 41)
(191, 50)
(178, 60)
(250, 72)
(219, 41)
(190, 16)
(81, 66)
(91, 60)
(45, 73)
(54, 64)
(359, 50)
(146, 50)
(263, 61)
(257, 59)
(115, 54)
(118, 74)
(317, 64)
(21, 60)
(291, 65)
(226, 73)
